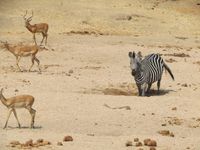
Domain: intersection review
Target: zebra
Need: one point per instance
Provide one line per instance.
(147, 71)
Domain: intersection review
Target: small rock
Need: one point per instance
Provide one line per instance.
(171, 134)
(146, 141)
(60, 144)
(138, 144)
(152, 143)
(67, 139)
(46, 143)
(136, 139)
(129, 143)
(16, 90)
(184, 85)
(40, 141)
(152, 148)
(164, 132)
(71, 71)
(174, 108)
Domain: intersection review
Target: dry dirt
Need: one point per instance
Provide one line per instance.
(85, 67)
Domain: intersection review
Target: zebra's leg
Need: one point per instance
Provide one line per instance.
(158, 85)
(139, 89)
(144, 87)
(148, 89)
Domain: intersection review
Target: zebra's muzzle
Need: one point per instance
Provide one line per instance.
(133, 72)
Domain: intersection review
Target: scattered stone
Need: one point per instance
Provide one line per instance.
(67, 139)
(174, 108)
(152, 143)
(152, 148)
(164, 124)
(184, 85)
(71, 71)
(29, 144)
(16, 90)
(136, 139)
(39, 140)
(46, 143)
(129, 143)
(138, 144)
(166, 133)
(146, 141)
(60, 144)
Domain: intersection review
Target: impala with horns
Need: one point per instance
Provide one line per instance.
(20, 101)
(36, 28)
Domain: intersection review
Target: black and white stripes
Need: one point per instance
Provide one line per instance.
(147, 71)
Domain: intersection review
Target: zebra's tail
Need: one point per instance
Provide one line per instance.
(170, 72)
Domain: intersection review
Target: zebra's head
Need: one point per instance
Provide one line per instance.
(135, 61)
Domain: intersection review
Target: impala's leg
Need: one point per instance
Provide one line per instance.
(9, 112)
(38, 62)
(34, 38)
(46, 39)
(17, 62)
(15, 114)
(32, 60)
(43, 36)
(32, 112)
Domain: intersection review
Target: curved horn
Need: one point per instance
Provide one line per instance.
(25, 15)
(30, 16)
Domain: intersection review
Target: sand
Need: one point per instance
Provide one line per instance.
(86, 89)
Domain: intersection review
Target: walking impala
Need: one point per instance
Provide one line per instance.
(23, 51)
(36, 28)
(20, 101)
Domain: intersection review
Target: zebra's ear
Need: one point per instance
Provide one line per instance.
(139, 54)
(133, 54)
(130, 54)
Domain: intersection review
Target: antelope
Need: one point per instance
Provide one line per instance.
(23, 51)
(36, 28)
(20, 101)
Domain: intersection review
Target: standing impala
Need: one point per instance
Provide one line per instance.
(36, 28)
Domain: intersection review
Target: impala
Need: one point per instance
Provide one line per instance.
(20, 101)
(36, 28)
(23, 51)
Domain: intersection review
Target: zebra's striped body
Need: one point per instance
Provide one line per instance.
(147, 71)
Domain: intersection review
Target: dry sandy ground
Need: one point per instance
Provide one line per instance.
(87, 68)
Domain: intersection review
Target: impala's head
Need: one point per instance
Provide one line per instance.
(27, 21)
(135, 61)
(5, 44)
